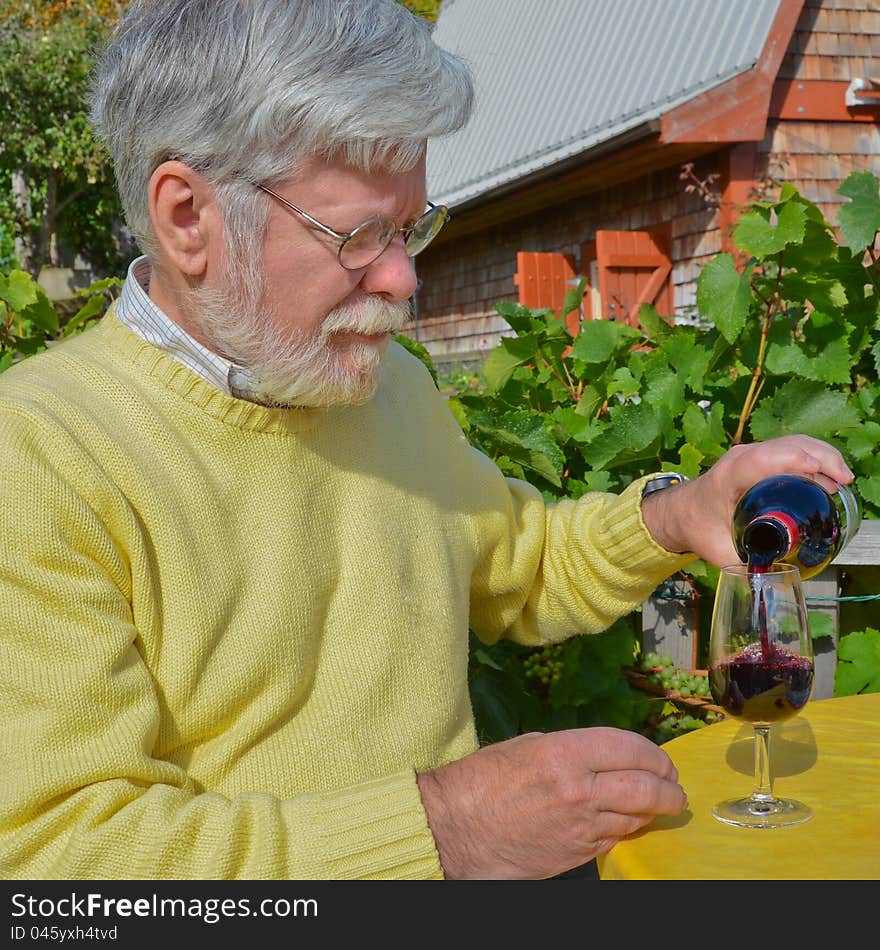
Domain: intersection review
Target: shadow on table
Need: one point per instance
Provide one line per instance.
(792, 749)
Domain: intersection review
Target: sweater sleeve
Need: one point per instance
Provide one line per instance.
(81, 793)
(548, 571)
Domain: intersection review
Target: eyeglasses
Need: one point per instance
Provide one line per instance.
(363, 245)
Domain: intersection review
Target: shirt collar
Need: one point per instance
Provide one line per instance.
(137, 310)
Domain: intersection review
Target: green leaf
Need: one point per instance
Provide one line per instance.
(458, 410)
(555, 332)
(522, 436)
(687, 357)
(599, 339)
(18, 290)
(758, 236)
(96, 304)
(665, 388)
(511, 468)
(821, 624)
(822, 292)
(106, 283)
(703, 571)
(576, 426)
(705, 430)
(591, 664)
(589, 402)
(485, 657)
(30, 344)
(863, 440)
(519, 318)
(500, 364)
(822, 354)
(634, 428)
(690, 460)
(858, 663)
(653, 325)
(869, 488)
(724, 295)
(817, 248)
(597, 480)
(574, 297)
(803, 406)
(860, 220)
(42, 313)
(622, 381)
(497, 703)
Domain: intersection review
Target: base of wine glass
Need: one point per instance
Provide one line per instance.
(754, 813)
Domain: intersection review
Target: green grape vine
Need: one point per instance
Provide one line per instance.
(663, 676)
(544, 666)
(663, 673)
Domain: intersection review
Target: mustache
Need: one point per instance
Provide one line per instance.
(371, 315)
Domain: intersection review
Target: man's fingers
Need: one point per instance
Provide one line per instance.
(615, 750)
(802, 453)
(635, 793)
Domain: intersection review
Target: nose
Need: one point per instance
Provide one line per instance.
(392, 274)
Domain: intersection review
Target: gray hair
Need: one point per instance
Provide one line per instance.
(248, 89)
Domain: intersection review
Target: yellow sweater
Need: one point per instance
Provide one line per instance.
(231, 635)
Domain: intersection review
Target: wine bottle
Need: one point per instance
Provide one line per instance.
(791, 518)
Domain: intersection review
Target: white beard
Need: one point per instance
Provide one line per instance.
(275, 368)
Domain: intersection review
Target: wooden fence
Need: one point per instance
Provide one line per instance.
(670, 626)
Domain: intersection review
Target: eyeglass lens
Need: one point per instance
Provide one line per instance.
(426, 229)
(369, 240)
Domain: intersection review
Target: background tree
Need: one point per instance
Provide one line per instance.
(56, 181)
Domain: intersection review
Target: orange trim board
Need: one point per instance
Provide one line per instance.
(818, 99)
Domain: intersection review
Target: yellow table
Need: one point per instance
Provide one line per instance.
(828, 756)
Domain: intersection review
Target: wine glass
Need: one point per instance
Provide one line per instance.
(761, 671)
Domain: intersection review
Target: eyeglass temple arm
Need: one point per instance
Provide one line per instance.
(323, 227)
(287, 204)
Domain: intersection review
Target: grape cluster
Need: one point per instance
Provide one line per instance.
(678, 723)
(544, 664)
(663, 674)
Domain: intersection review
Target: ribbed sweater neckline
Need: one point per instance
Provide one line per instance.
(171, 374)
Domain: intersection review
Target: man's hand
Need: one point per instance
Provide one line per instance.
(540, 804)
(696, 516)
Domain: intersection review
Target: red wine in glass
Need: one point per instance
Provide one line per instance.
(762, 685)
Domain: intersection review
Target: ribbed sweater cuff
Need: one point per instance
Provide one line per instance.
(375, 830)
(626, 540)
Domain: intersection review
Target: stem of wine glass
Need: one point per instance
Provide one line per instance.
(763, 791)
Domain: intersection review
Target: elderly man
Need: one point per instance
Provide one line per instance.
(243, 539)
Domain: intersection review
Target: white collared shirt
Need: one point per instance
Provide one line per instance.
(140, 314)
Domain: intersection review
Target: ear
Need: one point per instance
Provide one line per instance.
(183, 212)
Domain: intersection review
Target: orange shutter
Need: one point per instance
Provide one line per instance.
(627, 269)
(544, 279)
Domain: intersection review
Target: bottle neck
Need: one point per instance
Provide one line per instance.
(770, 537)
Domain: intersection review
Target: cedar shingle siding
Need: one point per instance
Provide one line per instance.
(804, 135)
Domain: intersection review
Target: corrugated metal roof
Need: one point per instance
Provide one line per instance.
(558, 77)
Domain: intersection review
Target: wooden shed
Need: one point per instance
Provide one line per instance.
(617, 140)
